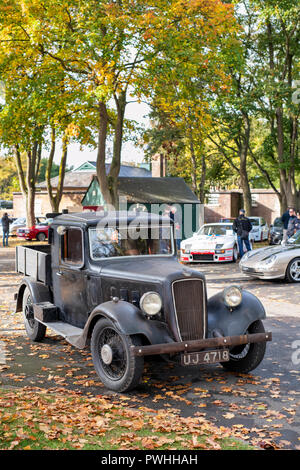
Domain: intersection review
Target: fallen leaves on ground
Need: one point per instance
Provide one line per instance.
(31, 419)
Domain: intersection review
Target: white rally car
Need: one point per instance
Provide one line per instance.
(212, 243)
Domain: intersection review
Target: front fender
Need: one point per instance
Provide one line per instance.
(237, 321)
(128, 320)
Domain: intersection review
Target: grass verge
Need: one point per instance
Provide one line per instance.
(33, 420)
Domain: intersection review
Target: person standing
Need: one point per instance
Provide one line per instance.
(285, 220)
(5, 227)
(291, 225)
(297, 222)
(242, 227)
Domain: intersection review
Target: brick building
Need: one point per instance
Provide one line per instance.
(226, 204)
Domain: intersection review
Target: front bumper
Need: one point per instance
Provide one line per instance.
(276, 274)
(209, 256)
(201, 344)
(24, 235)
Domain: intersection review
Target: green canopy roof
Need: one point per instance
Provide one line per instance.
(169, 190)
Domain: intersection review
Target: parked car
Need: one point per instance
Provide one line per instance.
(274, 262)
(227, 220)
(276, 232)
(37, 232)
(260, 230)
(212, 243)
(20, 222)
(114, 282)
(5, 204)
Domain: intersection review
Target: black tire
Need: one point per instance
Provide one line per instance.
(124, 371)
(293, 270)
(41, 237)
(35, 330)
(247, 357)
(235, 254)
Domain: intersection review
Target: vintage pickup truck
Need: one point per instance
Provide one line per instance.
(113, 281)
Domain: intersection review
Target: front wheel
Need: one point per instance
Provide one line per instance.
(41, 237)
(35, 330)
(235, 254)
(247, 357)
(293, 270)
(118, 368)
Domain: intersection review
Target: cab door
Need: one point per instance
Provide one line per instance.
(69, 278)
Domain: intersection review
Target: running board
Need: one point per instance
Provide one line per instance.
(71, 333)
(47, 314)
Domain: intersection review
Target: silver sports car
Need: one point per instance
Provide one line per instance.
(274, 262)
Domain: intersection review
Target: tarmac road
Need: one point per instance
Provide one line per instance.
(262, 407)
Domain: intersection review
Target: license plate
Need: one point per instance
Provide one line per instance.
(205, 357)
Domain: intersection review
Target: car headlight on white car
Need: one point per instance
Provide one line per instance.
(232, 296)
(151, 303)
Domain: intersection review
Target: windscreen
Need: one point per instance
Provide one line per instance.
(113, 242)
(216, 230)
(254, 221)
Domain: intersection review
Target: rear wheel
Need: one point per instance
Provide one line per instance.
(247, 357)
(118, 368)
(35, 330)
(293, 270)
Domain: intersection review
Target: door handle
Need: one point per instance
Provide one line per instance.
(59, 274)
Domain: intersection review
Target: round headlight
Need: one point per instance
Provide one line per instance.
(151, 303)
(232, 296)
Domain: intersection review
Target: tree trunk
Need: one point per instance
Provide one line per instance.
(48, 170)
(101, 154)
(20, 170)
(243, 153)
(194, 163)
(120, 101)
(62, 172)
(203, 178)
(32, 158)
(55, 199)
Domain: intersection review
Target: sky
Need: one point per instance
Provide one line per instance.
(130, 153)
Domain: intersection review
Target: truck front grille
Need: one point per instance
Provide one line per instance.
(190, 308)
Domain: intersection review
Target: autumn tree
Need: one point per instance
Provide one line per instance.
(256, 128)
(278, 54)
(41, 103)
(187, 72)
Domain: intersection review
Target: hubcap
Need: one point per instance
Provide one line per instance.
(112, 354)
(106, 354)
(295, 270)
(28, 311)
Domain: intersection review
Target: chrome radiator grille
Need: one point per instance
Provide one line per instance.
(190, 309)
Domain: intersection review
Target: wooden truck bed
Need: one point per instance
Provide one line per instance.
(34, 261)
